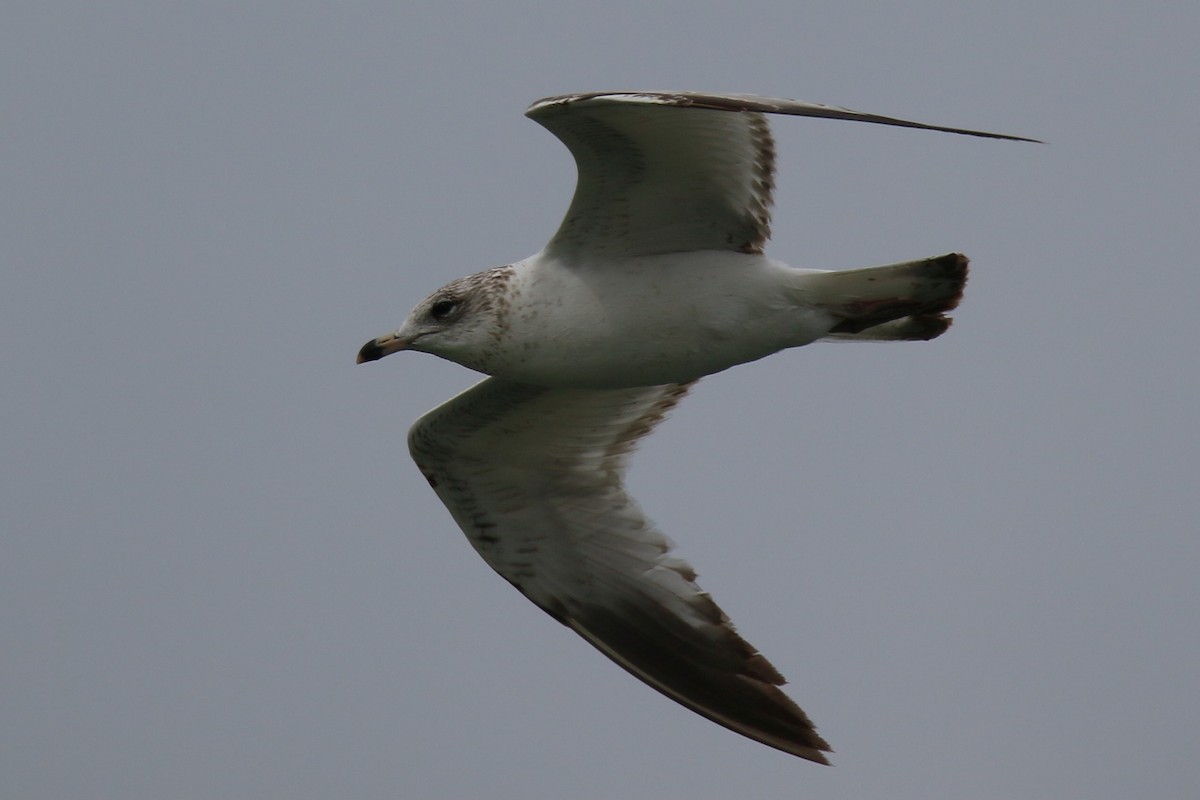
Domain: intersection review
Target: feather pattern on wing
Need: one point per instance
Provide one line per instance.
(659, 173)
(534, 477)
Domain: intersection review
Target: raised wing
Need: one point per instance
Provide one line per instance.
(533, 476)
(660, 173)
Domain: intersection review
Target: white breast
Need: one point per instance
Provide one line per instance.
(651, 320)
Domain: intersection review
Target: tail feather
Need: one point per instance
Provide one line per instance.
(895, 302)
(920, 328)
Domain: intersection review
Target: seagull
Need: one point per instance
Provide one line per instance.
(655, 278)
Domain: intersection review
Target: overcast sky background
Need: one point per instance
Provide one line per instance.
(222, 577)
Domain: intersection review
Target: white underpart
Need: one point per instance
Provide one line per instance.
(650, 320)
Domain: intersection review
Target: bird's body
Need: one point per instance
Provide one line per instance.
(676, 317)
(704, 312)
(655, 278)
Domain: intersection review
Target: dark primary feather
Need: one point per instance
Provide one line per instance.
(748, 103)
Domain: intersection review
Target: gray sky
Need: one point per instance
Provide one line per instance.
(222, 577)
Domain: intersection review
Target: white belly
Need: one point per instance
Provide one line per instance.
(654, 320)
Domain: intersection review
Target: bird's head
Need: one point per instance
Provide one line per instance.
(458, 322)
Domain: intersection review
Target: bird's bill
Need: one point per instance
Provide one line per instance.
(383, 346)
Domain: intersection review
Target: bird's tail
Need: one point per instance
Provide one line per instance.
(895, 302)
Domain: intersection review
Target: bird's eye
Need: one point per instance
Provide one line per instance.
(442, 309)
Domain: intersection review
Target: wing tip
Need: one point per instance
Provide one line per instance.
(745, 699)
(750, 102)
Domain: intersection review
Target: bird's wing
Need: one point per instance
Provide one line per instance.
(533, 476)
(660, 172)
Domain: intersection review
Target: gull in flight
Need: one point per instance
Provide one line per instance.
(655, 278)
